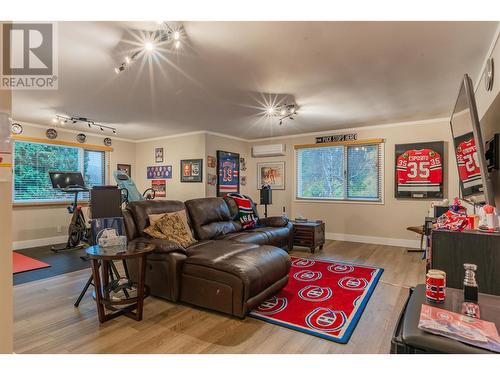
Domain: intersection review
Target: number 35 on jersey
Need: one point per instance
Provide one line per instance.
(419, 171)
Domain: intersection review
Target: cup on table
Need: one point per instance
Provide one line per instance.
(435, 286)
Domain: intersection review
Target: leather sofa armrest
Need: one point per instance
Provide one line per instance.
(162, 246)
(274, 221)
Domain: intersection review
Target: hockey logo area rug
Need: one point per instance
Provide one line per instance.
(324, 298)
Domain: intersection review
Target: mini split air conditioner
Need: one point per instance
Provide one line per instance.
(268, 150)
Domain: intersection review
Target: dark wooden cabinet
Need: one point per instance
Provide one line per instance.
(450, 250)
(309, 234)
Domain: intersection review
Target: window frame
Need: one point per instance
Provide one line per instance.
(56, 143)
(381, 156)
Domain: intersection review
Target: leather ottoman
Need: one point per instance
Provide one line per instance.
(233, 277)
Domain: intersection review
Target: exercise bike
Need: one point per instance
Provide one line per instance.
(72, 182)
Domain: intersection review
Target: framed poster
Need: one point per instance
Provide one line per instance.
(419, 170)
(211, 162)
(160, 188)
(127, 168)
(159, 155)
(192, 170)
(159, 172)
(212, 179)
(272, 174)
(228, 173)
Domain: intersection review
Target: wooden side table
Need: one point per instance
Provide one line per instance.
(310, 234)
(121, 296)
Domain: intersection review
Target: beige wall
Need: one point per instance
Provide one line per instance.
(34, 226)
(356, 221)
(216, 142)
(175, 149)
(5, 248)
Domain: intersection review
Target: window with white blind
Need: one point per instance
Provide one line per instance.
(340, 173)
(33, 161)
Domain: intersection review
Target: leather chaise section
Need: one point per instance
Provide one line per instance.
(229, 269)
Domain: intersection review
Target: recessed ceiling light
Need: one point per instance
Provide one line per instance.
(149, 46)
(270, 110)
(177, 35)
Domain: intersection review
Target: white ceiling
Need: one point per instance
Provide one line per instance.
(341, 74)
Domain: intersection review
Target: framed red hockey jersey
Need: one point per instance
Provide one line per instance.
(469, 170)
(419, 170)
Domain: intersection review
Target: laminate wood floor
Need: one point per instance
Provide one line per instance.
(45, 320)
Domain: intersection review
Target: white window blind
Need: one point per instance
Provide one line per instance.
(33, 161)
(344, 172)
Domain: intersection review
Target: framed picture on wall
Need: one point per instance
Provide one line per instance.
(159, 171)
(160, 187)
(211, 162)
(127, 168)
(159, 155)
(228, 173)
(192, 170)
(272, 174)
(419, 170)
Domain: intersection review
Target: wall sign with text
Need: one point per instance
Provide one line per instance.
(337, 138)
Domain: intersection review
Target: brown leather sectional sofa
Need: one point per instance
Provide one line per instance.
(229, 269)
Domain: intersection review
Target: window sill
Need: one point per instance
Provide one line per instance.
(47, 204)
(322, 201)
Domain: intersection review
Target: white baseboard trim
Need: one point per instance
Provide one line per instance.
(401, 242)
(17, 245)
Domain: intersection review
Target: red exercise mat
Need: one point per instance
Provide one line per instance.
(23, 263)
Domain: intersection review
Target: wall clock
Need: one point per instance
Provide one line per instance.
(81, 138)
(107, 141)
(16, 128)
(489, 73)
(51, 133)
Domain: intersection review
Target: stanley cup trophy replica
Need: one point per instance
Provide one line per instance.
(470, 306)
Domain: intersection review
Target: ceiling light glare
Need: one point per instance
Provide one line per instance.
(127, 60)
(177, 35)
(117, 71)
(54, 120)
(283, 112)
(270, 110)
(149, 46)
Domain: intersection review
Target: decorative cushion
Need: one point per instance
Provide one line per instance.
(153, 218)
(245, 209)
(172, 227)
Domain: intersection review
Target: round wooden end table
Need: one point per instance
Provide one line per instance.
(119, 295)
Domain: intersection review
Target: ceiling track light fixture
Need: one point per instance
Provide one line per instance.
(283, 112)
(62, 120)
(164, 34)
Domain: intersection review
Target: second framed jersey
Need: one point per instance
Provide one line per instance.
(419, 170)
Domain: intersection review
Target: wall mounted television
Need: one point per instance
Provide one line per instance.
(474, 180)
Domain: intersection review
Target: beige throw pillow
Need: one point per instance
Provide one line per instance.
(172, 227)
(153, 218)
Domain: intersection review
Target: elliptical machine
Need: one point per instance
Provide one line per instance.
(72, 182)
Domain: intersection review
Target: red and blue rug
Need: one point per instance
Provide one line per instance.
(324, 298)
